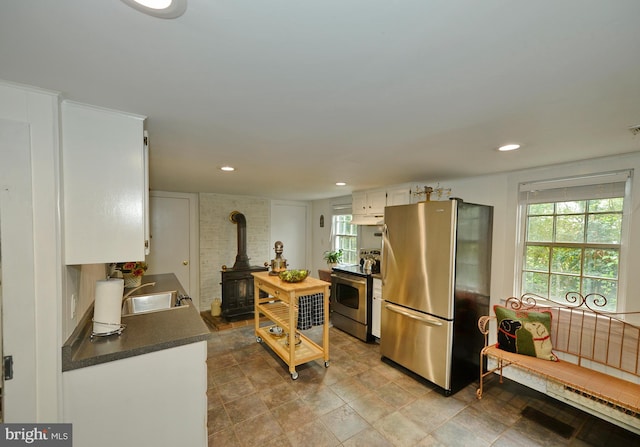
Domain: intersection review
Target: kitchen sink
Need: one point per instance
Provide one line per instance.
(152, 302)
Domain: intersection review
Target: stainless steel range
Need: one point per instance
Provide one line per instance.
(351, 287)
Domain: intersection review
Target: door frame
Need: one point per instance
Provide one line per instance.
(42, 316)
(194, 238)
(18, 271)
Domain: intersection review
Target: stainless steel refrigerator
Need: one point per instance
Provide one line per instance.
(436, 273)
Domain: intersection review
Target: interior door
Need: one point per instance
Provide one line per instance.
(290, 224)
(172, 247)
(19, 401)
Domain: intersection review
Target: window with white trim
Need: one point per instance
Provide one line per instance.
(344, 234)
(345, 237)
(573, 236)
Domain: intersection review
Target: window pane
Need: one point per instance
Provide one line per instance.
(570, 207)
(561, 284)
(540, 229)
(606, 288)
(570, 228)
(540, 208)
(535, 283)
(601, 263)
(566, 260)
(573, 246)
(346, 238)
(604, 228)
(537, 258)
(606, 205)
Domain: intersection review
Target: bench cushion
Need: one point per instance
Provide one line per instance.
(525, 332)
(587, 381)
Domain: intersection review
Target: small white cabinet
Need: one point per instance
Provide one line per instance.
(376, 307)
(400, 195)
(105, 185)
(370, 203)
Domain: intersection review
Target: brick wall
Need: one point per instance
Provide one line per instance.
(219, 238)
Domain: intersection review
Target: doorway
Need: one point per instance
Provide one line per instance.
(174, 239)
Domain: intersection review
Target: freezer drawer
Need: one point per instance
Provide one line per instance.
(419, 342)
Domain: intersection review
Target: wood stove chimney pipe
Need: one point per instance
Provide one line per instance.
(242, 260)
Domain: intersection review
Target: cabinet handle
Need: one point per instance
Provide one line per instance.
(185, 262)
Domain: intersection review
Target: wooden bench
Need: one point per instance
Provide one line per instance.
(599, 366)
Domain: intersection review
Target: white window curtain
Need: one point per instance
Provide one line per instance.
(597, 186)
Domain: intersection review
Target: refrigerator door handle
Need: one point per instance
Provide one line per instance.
(414, 315)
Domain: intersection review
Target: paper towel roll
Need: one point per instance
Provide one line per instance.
(107, 307)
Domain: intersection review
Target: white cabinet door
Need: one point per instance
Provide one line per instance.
(399, 196)
(104, 177)
(376, 201)
(370, 203)
(376, 309)
(154, 399)
(359, 203)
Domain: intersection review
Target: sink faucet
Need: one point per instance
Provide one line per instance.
(126, 295)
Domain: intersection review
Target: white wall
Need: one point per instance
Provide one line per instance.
(501, 191)
(219, 241)
(321, 236)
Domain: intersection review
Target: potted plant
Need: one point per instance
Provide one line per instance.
(132, 272)
(333, 257)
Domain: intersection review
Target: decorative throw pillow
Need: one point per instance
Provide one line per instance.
(525, 332)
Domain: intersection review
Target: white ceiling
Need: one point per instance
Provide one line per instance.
(299, 94)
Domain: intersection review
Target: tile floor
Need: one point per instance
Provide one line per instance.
(361, 401)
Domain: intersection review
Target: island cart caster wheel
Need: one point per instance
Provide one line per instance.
(259, 339)
(326, 364)
(294, 375)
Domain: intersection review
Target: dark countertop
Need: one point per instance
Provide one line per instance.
(353, 269)
(144, 333)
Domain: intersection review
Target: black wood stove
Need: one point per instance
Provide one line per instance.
(237, 282)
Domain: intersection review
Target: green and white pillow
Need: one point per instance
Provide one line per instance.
(525, 332)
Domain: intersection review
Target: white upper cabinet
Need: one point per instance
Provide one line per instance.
(400, 195)
(369, 202)
(367, 207)
(105, 185)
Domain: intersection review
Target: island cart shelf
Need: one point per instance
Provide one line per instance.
(281, 307)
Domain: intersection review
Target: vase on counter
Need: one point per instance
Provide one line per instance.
(131, 280)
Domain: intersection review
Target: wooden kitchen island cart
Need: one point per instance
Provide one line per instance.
(281, 308)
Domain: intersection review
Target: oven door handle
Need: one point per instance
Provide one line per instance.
(349, 279)
(411, 314)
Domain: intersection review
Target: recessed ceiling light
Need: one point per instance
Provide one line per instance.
(164, 9)
(155, 4)
(227, 168)
(509, 147)
(341, 184)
